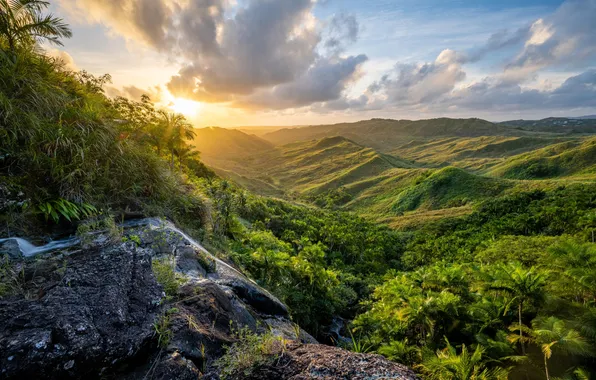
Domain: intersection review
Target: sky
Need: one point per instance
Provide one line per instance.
(298, 62)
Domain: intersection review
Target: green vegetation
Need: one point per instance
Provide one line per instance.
(67, 151)
(560, 160)
(445, 188)
(165, 274)
(162, 328)
(479, 270)
(248, 352)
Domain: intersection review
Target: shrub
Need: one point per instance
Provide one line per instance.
(250, 351)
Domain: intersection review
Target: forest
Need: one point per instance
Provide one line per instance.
(459, 271)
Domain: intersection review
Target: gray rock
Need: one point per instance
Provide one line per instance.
(11, 248)
(91, 312)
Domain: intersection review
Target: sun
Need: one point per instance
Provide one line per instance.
(185, 107)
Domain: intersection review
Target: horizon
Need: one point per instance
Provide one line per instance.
(234, 63)
(579, 117)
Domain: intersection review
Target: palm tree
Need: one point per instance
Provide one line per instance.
(21, 22)
(177, 131)
(551, 334)
(446, 364)
(576, 262)
(524, 286)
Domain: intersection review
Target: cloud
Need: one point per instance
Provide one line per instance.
(266, 44)
(156, 93)
(246, 55)
(342, 29)
(415, 84)
(324, 81)
(566, 37)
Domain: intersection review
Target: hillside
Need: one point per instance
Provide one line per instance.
(560, 125)
(386, 134)
(474, 153)
(572, 158)
(313, 167)
(221, 143)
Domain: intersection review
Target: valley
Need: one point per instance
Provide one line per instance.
(402, 172)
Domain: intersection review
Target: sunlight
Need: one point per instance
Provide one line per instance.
(186, 107)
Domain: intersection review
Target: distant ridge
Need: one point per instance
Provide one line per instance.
(561, 125)
(386, 133)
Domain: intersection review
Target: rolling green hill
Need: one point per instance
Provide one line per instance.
(384, 134)
(571, 158)
(399, 172)
(474, 153)
(315, 166)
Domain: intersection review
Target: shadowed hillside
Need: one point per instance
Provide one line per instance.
(221, 143)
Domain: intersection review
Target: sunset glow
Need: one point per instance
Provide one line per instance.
(186, 107)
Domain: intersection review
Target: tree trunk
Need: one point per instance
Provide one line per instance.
(521, 334)
(546, 368)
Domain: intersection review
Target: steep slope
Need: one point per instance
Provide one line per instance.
(573, 158)
(221, 143)
(387, 134)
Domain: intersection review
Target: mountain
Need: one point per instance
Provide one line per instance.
(590, 117)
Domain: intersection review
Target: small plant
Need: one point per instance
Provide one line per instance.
(162, 328)
(61, 208)
(136, 239)
(203, 368)
(165, 274)
(12, 279)
(250, 351)
(297, 332)
(358, 345)
(101, 223)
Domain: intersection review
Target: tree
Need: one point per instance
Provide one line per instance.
(524, 286)
(21, 22)
(447, 364)
(551, 334)
(177, 131)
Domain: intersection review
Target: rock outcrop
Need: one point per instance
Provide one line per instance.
(318, 361)
(96, 311)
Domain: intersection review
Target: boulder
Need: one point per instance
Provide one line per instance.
(316, 361)
(96, 311)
